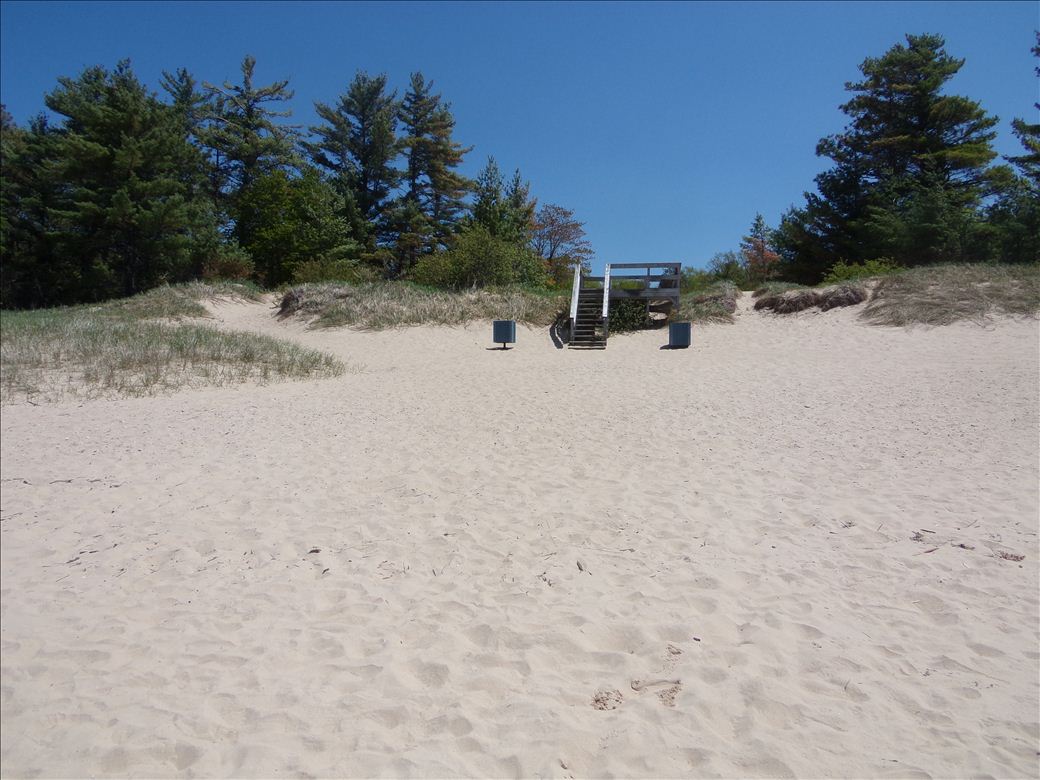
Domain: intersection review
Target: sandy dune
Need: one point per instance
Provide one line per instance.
(773, 554)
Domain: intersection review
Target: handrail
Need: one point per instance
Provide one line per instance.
(574, 293)
(606, 290)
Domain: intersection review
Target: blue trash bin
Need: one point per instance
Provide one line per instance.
(504, 332)
(678, 335)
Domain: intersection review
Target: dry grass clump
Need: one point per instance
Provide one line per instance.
(55, 353)
(715, 304)
(173, 302)
(772, 288)
(941, 295)
(797, 299)
(839, 295)
(381, 305)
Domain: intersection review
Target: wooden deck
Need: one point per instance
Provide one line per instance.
(590, 323)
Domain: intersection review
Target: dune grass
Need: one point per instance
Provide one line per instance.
(714, 304)
(941, 295)
(382, 305)
(174, 302)
(119, 349)
(781, 300)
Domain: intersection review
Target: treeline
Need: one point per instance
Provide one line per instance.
(128, 190)
(915, 181)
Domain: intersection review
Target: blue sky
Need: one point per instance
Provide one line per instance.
(665, 126)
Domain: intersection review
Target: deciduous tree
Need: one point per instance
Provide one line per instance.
(559, 239)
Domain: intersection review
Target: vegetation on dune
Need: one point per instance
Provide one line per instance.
(795, 299)
(365, 213)
(947, 294)
(716, 303)
(124, 191)
(130, 347)
(913, 178)
(381, 305)
(49, 354)
(175, 301)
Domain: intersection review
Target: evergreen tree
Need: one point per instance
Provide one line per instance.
(33, 269)
(911, 170)
(427, 214)
(488, 209)
(243, 137)
(1028, 133)
(356, 145)
(1015, 215)
(448, 188)
(519, 210)
(187, 101)
(107, 210)
(505, 211)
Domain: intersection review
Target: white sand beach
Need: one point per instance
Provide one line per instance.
(774, 554)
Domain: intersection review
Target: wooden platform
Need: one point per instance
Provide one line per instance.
(591, 297)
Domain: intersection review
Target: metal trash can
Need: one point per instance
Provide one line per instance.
(678, 335)
(504, 332)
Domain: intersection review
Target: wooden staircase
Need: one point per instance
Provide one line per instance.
(587, 330)
(657, 288)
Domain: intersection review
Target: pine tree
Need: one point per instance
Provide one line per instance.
(519, 210)
(105, 206)
(1015, 214)
(357, 145)
(243, 136)
(427, 214)
(448, 188)
(33, 269)
(1028, 133)
(488, 207)
(911, 170)
(506, 211)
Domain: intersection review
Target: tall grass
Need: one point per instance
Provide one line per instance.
(941, 295)
(173, 302)
(780, 300)
(118, 349)
(714, 304)
(381, 305)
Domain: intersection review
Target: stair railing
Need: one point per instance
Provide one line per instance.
(606, 300)
(575, 291)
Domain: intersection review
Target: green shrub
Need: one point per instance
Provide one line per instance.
(227, 261)
(847, 272)
(694, 280)
(332, 270)
(627, 315)
(478, 259)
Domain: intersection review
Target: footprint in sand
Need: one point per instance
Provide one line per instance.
(667, 691)
(607, 699)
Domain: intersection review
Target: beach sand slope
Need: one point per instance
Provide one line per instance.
(776, 553)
